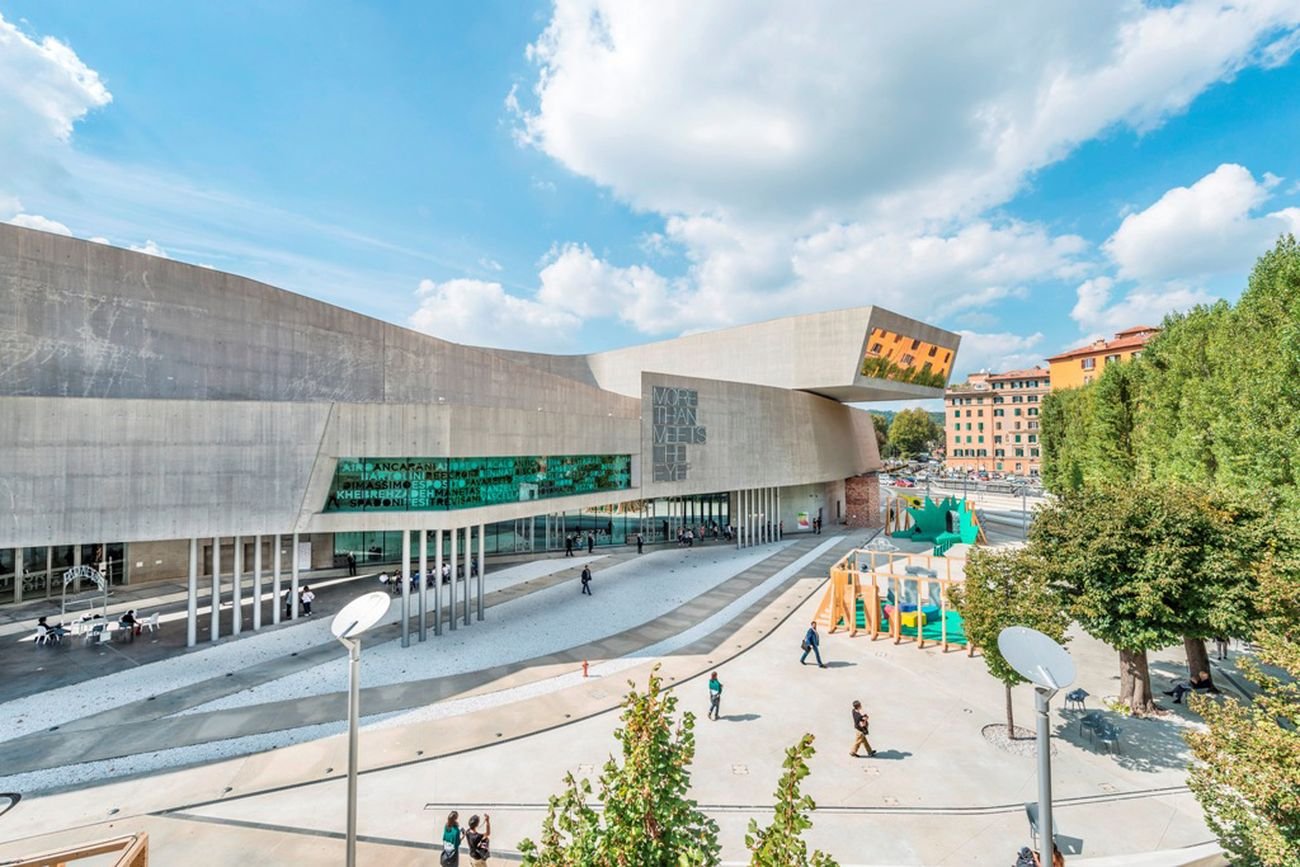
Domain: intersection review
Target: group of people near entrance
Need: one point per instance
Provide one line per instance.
(574, 540)
(474, 838)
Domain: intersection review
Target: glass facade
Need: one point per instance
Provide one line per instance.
(655, 520)
(427, 484)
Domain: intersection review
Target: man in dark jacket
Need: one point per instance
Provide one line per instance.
(861, 723)
(812, 644)
(586, 580)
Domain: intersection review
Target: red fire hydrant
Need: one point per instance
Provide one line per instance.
(584, 668)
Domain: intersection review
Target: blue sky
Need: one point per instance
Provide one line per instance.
(582, 175)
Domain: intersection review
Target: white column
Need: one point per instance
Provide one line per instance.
(293, 582)
(451, 609)
(275, 579)
(237, 591)
(771, 515)
(406, 588)
(215, 628)
(192, 598)
(424, 582)
(779, 534)
(761, 510)
(747, 517)
(469, 552)
(482, 567)
(437, 583)
(257, 583)
(20, 557)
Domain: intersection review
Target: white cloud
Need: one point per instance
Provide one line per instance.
(489, 264)
(849, 153)
(997, 352)
(36, 221)
(1201, 230)
(772, 108)
(483, 314)
(1143, 305)
(45, 88)
(149, 248)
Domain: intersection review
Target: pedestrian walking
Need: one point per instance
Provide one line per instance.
(862, 726)
(568, 545)
(639, 543)
(812, 644)
(586, 580)
(478, 843)
(1221, 647)
(715, 696)
(305, 599)
(591, 542)
(451, 837)
(352, 565)
(287, 596)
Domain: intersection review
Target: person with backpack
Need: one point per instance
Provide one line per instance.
(478, 843)
(451, 837)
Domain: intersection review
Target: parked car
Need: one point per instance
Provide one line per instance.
(904, 483)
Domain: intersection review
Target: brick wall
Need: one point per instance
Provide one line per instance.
(862, 500)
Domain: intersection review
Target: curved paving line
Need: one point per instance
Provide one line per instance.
(43, 750)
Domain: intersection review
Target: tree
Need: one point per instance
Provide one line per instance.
(648, 820)
(1247, 770)
(781, 844)
(1006, 588)
(912, 430)
(881, 425)
(1111, 458)
(1134, 562)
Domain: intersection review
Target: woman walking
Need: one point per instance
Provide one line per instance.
(451, 836)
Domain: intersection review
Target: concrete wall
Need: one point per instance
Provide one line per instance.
(79, 319)
(759, 436)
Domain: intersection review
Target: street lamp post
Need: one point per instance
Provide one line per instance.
(1047, 665)
(354, 619)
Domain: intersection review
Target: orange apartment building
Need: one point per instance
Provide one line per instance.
(991, 421)
(1080, 366)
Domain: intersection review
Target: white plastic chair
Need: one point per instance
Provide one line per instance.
(42, 636)
(96, 634)
(152, 623)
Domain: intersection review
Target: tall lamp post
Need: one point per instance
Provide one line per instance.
(1045, 664)
(354, 619)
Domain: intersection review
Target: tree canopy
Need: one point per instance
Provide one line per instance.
(1007, 588)
(912, 431)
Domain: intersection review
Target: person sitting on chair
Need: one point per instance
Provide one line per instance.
(57, 631)
(129, 622)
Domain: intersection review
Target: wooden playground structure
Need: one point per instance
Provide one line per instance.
(134, 849)
(896, 594)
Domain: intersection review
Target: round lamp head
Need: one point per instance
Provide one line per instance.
(1036, 658)
(359, 615)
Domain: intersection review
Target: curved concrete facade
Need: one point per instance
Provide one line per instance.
(143, 399)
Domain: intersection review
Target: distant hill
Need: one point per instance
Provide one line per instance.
(889, 415)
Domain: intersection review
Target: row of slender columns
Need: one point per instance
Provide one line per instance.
(237, 587)
(758, 516)
(471, 596)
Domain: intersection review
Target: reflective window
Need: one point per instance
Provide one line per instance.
(426, 484)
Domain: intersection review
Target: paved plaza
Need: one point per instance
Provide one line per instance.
(237, 749)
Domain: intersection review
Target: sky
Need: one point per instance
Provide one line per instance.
(581, 175)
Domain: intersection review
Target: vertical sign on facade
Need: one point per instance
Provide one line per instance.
(675, 425)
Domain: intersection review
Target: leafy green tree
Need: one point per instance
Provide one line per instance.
(1110, 449)
(1133, 561)
(648, 820)
(781, 843)
(881, 426)
(1006, 588)
(1247, 770)
(1065, 435)
(912, 431)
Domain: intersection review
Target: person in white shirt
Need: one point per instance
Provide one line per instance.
(304, 598)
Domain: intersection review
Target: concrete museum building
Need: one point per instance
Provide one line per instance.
(162, 421)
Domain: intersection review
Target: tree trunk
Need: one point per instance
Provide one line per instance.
(1011, 723)
(1198, 659)
(1135, 682)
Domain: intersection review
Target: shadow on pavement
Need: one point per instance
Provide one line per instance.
(1146, 745)
(840, 663)
(893, 755)
(741, 717)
